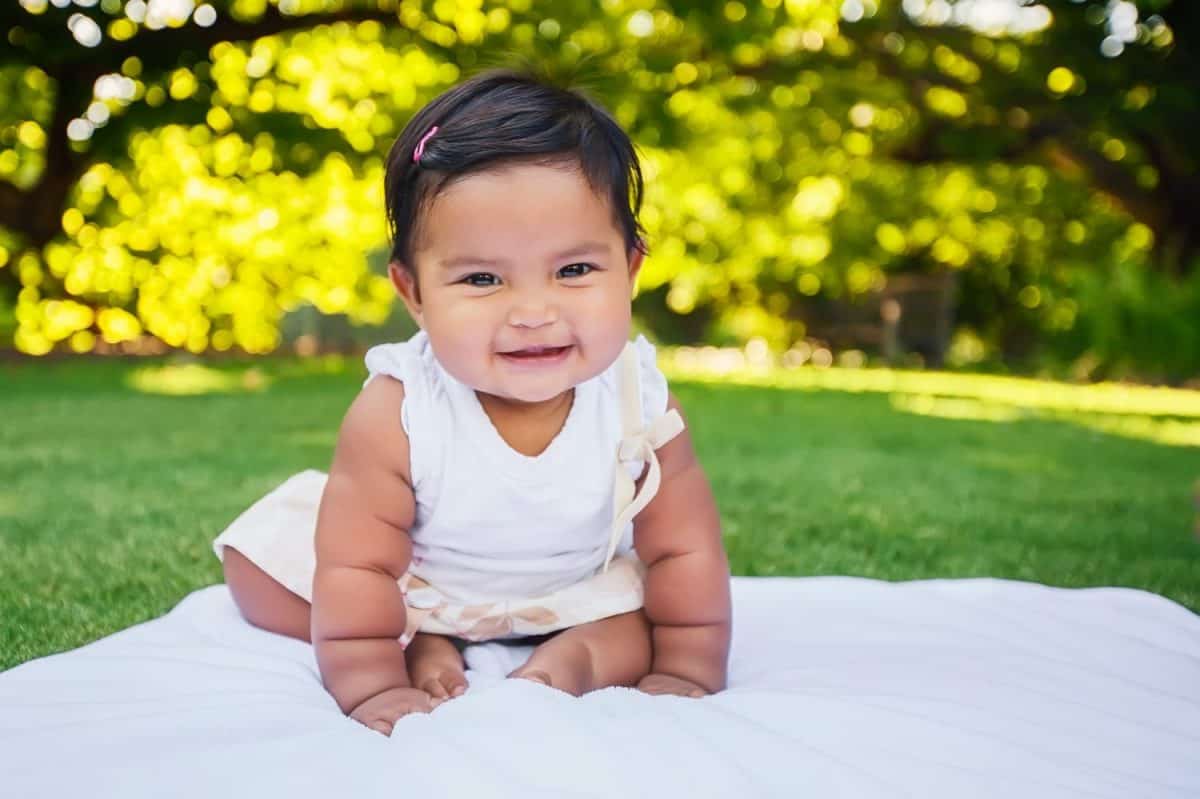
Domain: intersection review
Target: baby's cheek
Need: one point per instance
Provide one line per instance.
(607, 312)
(458, 347)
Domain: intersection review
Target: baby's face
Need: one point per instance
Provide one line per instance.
(525, 283)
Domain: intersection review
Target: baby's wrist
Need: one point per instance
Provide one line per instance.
(709, 678)
(697, 653)
(355, 670)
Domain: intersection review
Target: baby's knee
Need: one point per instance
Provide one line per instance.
(262, 600)
(624, 643)
(241, 575)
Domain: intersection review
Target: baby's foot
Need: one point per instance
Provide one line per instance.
(612, 651)
(568, 668)
(436, 667)
(440, 682)
(382, 711)
(535, 675)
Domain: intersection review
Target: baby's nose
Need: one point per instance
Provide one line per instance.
(532, 312)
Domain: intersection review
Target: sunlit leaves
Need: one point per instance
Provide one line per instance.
(796, 151)
(209, 262)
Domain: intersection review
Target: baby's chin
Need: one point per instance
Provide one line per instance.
(532, 395)
(532, 388)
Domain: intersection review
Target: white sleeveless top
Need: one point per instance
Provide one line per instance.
(491, 523)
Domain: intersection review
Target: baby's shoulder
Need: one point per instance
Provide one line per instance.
(410, 361)
(382, 394)
(372, 431)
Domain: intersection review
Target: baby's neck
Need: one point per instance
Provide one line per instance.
(527, 427)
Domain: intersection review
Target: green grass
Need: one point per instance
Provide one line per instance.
(110, 494)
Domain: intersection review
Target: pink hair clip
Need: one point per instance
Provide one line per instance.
(420, 150)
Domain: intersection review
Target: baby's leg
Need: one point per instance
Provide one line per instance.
(612, 651)
(262, 600)
(436, 666)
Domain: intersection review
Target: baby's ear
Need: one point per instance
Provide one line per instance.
(637, 254)
(405, 282)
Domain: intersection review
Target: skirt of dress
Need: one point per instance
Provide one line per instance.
(277, 534)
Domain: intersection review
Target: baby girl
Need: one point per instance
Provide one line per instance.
(517, 469)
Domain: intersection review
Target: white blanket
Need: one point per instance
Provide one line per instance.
(838, 687)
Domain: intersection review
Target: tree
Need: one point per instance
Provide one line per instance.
(1103, 92)
(225, 162)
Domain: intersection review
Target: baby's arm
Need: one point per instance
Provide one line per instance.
(678, 537)
(362, 544)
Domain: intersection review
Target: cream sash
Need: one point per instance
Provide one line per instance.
(638, 445)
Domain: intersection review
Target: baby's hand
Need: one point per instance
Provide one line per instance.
(666, 684)
(381, 711)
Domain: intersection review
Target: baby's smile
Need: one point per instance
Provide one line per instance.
(541, 355)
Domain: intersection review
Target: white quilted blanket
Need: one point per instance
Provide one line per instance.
(840, 687)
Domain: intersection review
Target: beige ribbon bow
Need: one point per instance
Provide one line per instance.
(638, 445)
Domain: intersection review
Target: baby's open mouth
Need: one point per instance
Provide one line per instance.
(536, 353)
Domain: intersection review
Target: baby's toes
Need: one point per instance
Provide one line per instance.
(433, 686)
(444, 686)
(536, 675)
(455, 684)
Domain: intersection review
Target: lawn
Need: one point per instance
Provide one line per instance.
(113, 480)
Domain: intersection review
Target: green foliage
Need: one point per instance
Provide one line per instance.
(1137, 324)
(223, 175)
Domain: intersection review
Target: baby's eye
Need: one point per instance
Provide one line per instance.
(575, 270)
(481, 280)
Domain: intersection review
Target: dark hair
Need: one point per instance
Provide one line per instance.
(499, 117)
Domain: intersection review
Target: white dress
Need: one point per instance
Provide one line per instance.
(504, 544)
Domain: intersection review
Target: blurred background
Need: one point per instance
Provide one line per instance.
(989, 185)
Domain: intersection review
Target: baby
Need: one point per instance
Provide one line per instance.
(518, 468)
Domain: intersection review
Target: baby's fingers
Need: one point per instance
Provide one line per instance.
(382, 725)
(660, 684)
(380, 713)
(380, 722)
